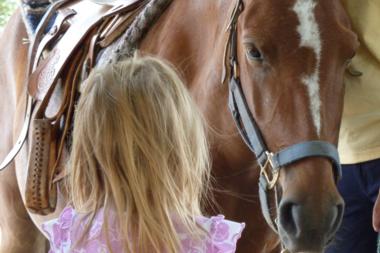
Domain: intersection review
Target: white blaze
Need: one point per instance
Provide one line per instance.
(308, 30)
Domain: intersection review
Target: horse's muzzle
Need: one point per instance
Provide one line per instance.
(307, 227)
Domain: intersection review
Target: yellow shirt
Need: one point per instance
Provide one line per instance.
(359, 138)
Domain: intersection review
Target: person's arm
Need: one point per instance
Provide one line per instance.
(376, 214)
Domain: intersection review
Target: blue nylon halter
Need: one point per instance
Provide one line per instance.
(251, 135)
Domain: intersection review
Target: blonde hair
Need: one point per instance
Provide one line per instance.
(139, 147)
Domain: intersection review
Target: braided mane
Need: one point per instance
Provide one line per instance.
(126, 45)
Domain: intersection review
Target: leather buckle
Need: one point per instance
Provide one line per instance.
(236, 70)
(270, 174)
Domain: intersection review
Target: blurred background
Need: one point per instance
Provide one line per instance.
(6, 9)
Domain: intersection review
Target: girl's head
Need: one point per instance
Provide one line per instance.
(139, 147)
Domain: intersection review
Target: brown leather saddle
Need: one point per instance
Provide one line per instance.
(64, 50)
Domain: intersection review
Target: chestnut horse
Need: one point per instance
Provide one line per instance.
(292, 55)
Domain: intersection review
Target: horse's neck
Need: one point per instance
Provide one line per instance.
(192, 35)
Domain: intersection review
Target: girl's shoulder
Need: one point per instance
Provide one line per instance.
(222, 235)
(64, 231)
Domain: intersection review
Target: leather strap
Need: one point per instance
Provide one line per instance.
(55, 176)
(22, 137)
(41, 29)
(53, 33)
(46, 74)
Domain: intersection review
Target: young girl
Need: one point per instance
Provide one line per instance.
(139, 168)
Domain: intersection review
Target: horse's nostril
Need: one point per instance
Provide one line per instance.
(297, 221)
(308, 223)
(287, 220)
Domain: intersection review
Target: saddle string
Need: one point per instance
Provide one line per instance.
(75, 81)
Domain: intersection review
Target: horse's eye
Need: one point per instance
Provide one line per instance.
(253, 53)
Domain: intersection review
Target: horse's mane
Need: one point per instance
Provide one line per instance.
(130, 41)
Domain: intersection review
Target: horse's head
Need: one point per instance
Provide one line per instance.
(291, 59)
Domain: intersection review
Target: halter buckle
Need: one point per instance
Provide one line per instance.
(236, 70)
(271, 175)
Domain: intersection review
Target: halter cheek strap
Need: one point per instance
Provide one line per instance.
(251, 134)
(270, 163)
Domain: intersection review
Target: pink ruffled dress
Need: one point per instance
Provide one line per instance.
(64, 232)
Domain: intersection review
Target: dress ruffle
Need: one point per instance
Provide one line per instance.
(65, 231)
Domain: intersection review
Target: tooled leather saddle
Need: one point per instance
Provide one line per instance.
(66, 44)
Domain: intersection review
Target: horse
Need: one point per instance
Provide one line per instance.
(290, 57)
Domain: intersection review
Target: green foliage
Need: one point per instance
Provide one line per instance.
(6, 9)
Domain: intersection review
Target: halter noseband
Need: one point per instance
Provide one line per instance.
(270, 163)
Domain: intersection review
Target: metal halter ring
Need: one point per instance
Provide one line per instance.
(275, 173)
